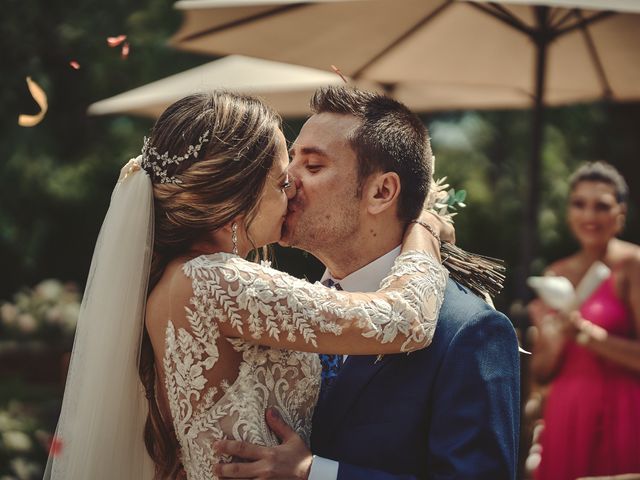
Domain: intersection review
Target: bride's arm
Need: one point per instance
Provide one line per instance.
(271, 308)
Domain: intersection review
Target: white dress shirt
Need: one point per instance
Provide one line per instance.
(367, 279)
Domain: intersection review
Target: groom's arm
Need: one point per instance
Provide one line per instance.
(475, 414)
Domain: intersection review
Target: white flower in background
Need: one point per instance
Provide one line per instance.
(8, 313)
(26, 323)
(54, 315)
(16, 441)
(49, 289)
(70, 313)
(6, 422)
(22, 301)
(25, 469)
(50, 307)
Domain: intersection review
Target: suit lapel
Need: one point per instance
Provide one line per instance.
(355, 374)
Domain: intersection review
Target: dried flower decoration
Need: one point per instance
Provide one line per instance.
(158, 168)
(483, 275)
(444, 200)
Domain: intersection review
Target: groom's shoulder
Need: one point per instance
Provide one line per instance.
(462, 310)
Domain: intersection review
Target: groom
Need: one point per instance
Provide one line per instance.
(362, 165)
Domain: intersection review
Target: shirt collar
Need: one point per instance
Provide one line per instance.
(368, 278)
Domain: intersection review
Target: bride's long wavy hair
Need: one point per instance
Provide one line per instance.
(223, 182)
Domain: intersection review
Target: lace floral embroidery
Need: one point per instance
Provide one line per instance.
(259, 302)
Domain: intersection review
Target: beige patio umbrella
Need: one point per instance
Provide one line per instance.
(553, 53)
(287, 88)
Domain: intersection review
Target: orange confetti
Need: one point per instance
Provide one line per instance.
(115, 41)
(55, 446)
(125, 51)
(75, 65)
(337, 70)
(41, 99)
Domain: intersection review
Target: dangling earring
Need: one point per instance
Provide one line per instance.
(234, 238)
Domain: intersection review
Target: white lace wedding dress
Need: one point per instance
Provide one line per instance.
(266, 310)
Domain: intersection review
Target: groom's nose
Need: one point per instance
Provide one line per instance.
(292, 189)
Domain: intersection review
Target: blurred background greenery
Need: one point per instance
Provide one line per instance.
(56, 178)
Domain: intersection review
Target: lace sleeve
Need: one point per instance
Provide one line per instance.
(268, 307)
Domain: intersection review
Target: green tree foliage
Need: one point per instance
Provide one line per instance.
(486, 154)
(56, 178)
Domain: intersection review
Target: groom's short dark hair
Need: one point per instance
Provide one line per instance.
(391, 138)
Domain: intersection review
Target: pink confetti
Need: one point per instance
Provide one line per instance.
(55, 446)
(115, 41)
(75, 65)
(125, 51)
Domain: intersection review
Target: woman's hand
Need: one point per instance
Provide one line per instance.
(425, 234)
(553, 329)
(445, 229)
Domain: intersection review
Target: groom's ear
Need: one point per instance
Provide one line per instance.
(381, 192)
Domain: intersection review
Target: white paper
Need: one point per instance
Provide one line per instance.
(558, 292)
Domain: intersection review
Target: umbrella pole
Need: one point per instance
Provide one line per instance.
(541, 39)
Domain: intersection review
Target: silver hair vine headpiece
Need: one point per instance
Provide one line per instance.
(158, 169)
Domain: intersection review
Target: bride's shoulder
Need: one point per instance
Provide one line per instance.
(216, 263)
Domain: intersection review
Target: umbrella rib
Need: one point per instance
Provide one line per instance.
(242, 21)
(402, 38)
(597, 62)
(555, 13)
(564, 19)
(584, 22)
(505, 17)
(507, 14)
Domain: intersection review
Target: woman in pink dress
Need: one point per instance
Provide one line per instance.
(592, 357)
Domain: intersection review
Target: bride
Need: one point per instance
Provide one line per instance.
(181, 341)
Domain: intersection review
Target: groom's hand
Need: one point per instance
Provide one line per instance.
(290, 460)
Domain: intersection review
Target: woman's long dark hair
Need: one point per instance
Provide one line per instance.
(215, 187)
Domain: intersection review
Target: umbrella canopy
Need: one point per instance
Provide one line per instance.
(438, 42)
(629, 6)
(552, 53)
(287, 88)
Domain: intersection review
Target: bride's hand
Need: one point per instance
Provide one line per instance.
(445, 229)
(425, 234)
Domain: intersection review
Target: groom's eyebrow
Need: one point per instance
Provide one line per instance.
(309, 151)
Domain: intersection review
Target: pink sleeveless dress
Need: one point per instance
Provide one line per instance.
(592, 414)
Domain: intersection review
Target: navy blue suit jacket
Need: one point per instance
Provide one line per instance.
(448, 411)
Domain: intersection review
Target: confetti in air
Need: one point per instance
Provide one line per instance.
(125, 50)
(75, 65)
(116, 41)
(337, 71)
(41, 99)
(55, 447)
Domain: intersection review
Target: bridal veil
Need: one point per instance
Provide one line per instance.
(100, 430)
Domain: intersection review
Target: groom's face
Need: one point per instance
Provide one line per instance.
(326, 209)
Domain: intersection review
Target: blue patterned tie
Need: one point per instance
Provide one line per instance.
(331, 363)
